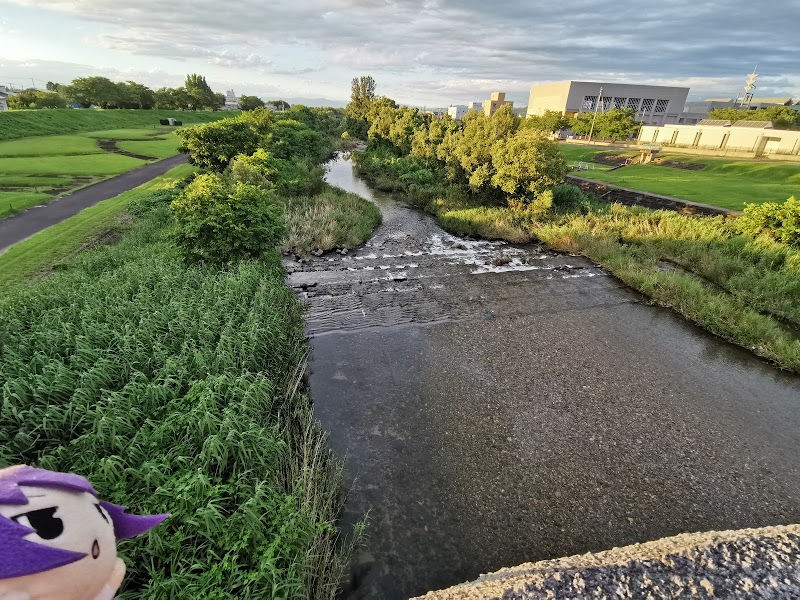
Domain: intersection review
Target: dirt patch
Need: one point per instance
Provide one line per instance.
(111, 146)
(679, 164)
(612, 159)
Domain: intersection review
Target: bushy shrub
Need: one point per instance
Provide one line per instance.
(292, 140)
(570, 198)
(780, 222)
(219, 221)
(258, 169)
(212, 146)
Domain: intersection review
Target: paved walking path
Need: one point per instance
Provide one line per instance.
(23, 225)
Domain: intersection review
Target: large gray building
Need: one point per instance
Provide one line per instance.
(653, 104)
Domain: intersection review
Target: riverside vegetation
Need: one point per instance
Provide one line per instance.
(500, 178)
(168, 369)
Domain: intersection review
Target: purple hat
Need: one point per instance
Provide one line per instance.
(19, 557)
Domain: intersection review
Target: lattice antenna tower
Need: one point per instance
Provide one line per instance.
(743, 100)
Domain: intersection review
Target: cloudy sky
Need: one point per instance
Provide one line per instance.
(429, 52)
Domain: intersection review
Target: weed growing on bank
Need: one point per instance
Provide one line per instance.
(178, 389)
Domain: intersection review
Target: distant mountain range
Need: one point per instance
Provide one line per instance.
(315, 102)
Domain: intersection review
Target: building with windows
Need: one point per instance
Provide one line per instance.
(653, 104)
(495, 101)
(457, 111)
(3, 101)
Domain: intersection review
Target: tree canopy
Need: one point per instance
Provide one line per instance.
(550, 122)
(616, 124)
(782, 117)
(250, 102)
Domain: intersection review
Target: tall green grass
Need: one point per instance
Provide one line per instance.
(178, 389)
(332, 219)
(26, 123)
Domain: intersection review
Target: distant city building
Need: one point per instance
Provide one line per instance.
(475, 106)
(653, 104)
(751, 139)
(457, 111)
(495, 101)
(3, 101)
(231, 101)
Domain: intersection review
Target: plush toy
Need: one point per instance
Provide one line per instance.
(57, 541)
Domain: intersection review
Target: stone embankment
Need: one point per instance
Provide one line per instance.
(607, 192)
(750, 563)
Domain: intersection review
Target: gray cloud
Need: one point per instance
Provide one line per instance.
(440, 50)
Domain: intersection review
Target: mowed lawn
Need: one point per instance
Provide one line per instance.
(34, 170)
(62, 145)
(158, 148)
(722, 182)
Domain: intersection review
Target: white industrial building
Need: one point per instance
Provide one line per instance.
(653, 104)
(750, 139)
(231, 101)
(3, 101)
(457, 111)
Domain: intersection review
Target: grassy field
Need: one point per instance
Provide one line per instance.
(52, 164)
(55, 244)
(722, 182)
(158, 148)
(142, 133)
(26, 123)
(62, 145)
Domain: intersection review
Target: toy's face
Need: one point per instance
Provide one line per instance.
(70, 521)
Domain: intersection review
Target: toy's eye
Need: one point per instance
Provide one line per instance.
(43, 521)
(102, 512)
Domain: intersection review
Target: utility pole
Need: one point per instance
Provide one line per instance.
(596, 106)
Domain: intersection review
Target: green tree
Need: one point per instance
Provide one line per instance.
(550, 122)
(526, 165)
(172, 98)
(33, 99)
(250, 102)
(616, 124)
(428, 138)
(290, 139)
(135, 95)
(782, 117)
(212, 146)
(362, 95)
(401, 132)
(472, 149)
(280, 105)
(99, 91)
(200, 93)
(382, 113)
(219, 221)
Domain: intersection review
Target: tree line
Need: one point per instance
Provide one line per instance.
(194, 94)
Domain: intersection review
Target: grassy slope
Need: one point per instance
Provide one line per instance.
(156, 148)
(49, 146)
(27, 123)
(91, 164)
(142, 133)
(14, 202)
(55, 244)
(723, 182)
(178, 389)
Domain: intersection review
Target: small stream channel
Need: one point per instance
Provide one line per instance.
(499, 404)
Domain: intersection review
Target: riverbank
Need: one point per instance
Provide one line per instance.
(742, 289)
(503, 403)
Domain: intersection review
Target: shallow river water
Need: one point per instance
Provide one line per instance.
(499, 404)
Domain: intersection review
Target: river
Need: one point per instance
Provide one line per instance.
(498, 404)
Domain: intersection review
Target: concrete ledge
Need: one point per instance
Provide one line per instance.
(748, 563)
(607, 192)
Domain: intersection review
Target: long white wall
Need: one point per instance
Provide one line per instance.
(741, 140)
